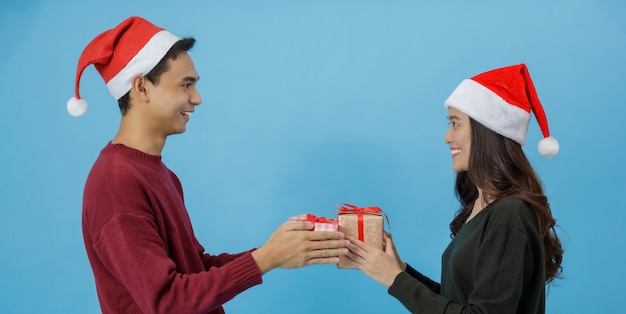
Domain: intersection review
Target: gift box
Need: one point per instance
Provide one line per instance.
(320, 223)
(366, 224)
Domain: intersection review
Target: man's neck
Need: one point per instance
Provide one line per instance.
(134, 136)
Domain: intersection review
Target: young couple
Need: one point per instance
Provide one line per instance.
(146, 258)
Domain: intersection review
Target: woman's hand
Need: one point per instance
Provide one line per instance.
(380, 265)
(387, 240)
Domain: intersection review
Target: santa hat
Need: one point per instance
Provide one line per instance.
(133, 47)
(502, 100)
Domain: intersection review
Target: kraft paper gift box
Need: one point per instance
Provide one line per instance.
(320, 223)
(366, 224)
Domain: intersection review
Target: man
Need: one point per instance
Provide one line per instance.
(137, 232)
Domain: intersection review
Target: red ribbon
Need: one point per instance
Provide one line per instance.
(313, 218)
(359, 211)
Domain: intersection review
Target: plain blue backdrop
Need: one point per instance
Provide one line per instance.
(307, 104)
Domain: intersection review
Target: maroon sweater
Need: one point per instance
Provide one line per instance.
(141, 246)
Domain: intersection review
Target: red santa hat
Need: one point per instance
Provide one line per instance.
(502, 100)
(133, 47)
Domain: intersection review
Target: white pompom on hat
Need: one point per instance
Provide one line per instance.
(502, 100)
(133, 47)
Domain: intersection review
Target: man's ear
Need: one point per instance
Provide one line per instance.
(138, 87)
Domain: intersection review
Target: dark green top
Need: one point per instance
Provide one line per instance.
(495, 264)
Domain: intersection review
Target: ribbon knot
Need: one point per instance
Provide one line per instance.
(349, 208)
(320, 223)
(313, 218)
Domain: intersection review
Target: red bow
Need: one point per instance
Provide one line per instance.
(313, 218)
(359, 211)
(322, 223)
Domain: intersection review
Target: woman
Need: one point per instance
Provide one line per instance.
(504, 247)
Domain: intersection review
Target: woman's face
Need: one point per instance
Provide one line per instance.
(459, 137)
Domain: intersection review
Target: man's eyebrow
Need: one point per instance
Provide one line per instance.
(190, 79)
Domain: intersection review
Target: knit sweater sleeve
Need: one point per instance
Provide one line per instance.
(130, 248)
(432, 285)
(220, 260)
(418, 293)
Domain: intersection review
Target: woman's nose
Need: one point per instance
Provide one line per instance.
(447, 138)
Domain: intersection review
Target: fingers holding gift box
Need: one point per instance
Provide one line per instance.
(293, 245)
(320, 223)
(365, 224)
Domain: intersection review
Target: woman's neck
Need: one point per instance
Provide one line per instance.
(479, 204)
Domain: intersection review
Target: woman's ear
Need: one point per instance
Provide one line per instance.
(138, 87)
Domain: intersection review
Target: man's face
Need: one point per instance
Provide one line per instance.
(174, 98)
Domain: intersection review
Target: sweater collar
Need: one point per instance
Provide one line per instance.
(153, 160)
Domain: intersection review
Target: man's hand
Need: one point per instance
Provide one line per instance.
(293, 245)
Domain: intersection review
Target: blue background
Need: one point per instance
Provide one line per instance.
(307, 104)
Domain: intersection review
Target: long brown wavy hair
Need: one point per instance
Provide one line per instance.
(500, 168)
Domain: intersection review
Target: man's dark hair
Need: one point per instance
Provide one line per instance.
(155, 74)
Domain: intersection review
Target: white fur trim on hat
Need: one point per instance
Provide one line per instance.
(142, 63)
(486, 107)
